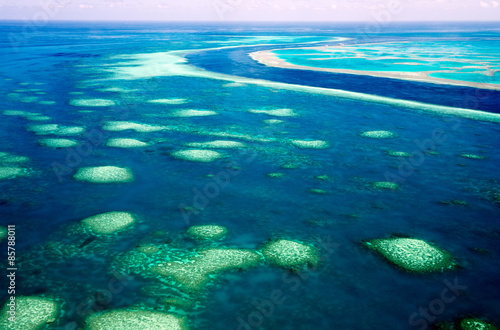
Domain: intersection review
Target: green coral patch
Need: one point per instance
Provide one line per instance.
(57, 143)
(276, 175)
(412, 255)
(272, 121)
(290, 254)
(168, 101)
(3, 232)
(221, 144)
(398, 153)
(276, 112)
(193, 113)
(125, 143)
(198, 155)
(11, 172)
(91, 103)
(104, 174)
(12, 159)
(32, 313)
(475, 324)
(472, 156)
(378, 134)
(306, 144)
(118, 126)
(468, 323)
(196, 272)
(207, 232)
(38, 118)
(108, 223)
(134, 320)
(47, 102)
(55, 129)
(385, 185)
(318, 191)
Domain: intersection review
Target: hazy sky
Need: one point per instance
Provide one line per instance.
(254, 10)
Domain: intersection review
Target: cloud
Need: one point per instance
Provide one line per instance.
(495, 4)
(484, 4)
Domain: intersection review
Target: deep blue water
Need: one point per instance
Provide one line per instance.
(352, 288)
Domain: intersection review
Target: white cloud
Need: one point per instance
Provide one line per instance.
(484, 4)
(495, 4)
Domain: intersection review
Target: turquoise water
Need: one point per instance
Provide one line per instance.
(434, 56)
(325, 197)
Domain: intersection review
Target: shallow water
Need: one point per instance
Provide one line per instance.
(352, 288)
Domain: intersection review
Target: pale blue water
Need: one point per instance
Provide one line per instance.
(433, 55)
(352, 288)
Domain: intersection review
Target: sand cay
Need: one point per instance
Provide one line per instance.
(268, 58)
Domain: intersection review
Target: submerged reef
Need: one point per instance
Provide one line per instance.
(472, 156)
(118, 126)
(194, 273)
(104, 174)
(385, 185)
(54, 129)
(398, 153)
(192, 113)
(32, 313)
(57, 143)
(315, 144)
(11, 172)
(125, 143)
(290, 254)
(198, 155)
(108, 223)
(6, 158)
(91, 103)
(169, 101)
(217, 144)
(412, 255)
(134, 320)
(276, 112)
(467, 323)
(207, 232)
(3, 232)
(378, 134)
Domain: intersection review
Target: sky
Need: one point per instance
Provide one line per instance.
(383, 11)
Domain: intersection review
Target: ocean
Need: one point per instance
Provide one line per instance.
(189, 130)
